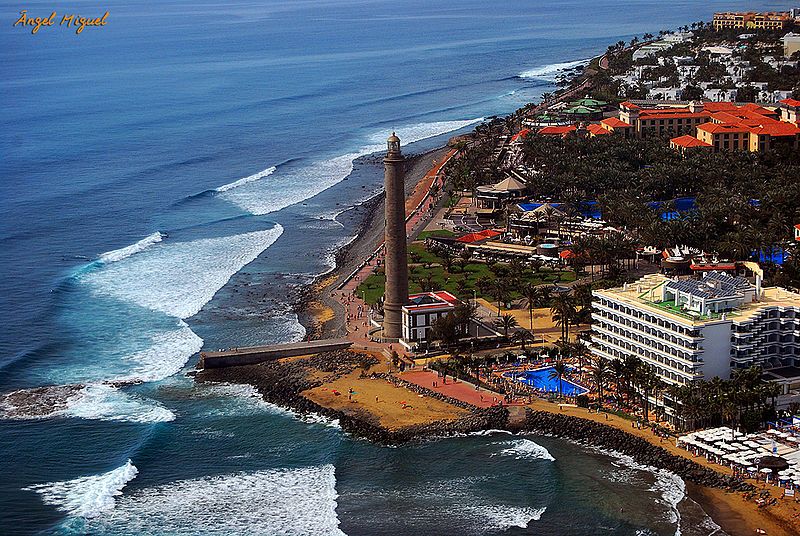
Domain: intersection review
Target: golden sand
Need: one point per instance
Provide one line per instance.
(395, 408)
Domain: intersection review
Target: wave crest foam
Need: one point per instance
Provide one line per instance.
(87, 496)
(550, 72)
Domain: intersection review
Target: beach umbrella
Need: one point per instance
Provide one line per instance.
(772, 463)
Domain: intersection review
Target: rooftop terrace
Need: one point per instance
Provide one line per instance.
(645, 294)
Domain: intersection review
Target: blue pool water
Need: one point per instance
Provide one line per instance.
(540, 379)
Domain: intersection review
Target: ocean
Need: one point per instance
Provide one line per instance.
(171, 180)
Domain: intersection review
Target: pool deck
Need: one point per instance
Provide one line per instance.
(581, 390)
(457, 389)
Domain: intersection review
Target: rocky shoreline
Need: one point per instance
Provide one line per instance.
(596, 434)
(283, 384)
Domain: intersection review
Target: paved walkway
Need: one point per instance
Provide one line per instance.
(466, 392)
(419, 206)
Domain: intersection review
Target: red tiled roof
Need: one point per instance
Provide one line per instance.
(597, 129)
(446, 296)
(444, 299)
(521, 134)
(659, 114)
(566, 254)
(556, 130)
(791, 102)
(689, 141)
(722, 127)
(723, 106)
(776, 128)
(474, 237)
(614, 122)
(629, 105)
(755, 108)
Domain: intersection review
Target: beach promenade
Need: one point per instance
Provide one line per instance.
(458, 389)
(420, 204)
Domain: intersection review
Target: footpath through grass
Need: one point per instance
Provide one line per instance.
(427, 270)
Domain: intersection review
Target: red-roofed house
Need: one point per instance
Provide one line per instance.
(421, 311)
(615, 125)
(597, 130)
(725, 136)
(555, 130)
(663, 121)
(521, 135)
(790, 110)
(687, 142)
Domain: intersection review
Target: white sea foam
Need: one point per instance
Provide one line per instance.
(87, 496)
(166, 355)
(279, 502)
(316, 418)
(107, 403)
(550, 72)
(179, 278)
(127, 251)
(252, 178)
(668, 485)
(292, 186)
(247, 400)
(501, 517)
(525, 449)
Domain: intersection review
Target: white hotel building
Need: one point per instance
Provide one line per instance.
(689, 330)
(420, 313)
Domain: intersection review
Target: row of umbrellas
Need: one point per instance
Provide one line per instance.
(736, 447)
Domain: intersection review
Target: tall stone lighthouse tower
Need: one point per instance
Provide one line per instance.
(396, 265)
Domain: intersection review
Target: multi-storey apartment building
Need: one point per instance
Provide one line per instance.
(694, 329)
(689, 330)
(751, 20)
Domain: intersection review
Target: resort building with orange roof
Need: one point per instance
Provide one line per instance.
(770, 20)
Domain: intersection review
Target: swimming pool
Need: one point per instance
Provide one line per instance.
(540, 379)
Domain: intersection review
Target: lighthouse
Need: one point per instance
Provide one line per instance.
(396, 262)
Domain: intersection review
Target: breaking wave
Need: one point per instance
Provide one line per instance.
(668, 485)
(105, 402)
(179, 278)
(285, 502)
(550, 72)
(295, 185)
(525, 449)
(501, 517)
(87, 496)
(124, 253)
(252, 178)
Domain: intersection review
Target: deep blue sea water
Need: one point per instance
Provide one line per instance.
(169, 179)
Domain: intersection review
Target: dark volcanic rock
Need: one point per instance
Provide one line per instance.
(600, 435)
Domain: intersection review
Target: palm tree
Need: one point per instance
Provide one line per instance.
(563, 312)
(558, 372)
(505, 322)
(599, 375)
(531, 296)
(523, 336)
(581, 352)
(501, 292)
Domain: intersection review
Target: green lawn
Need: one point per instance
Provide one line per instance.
(438, 232)
(440, 279)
